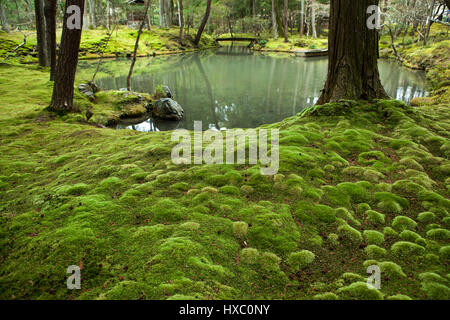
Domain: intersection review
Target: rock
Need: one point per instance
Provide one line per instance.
(88, 90)
(167, 109)
(167, 92)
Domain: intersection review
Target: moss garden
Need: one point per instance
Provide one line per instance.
(360, 183)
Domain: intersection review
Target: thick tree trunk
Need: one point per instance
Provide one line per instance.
(254, 8)
(41, 33)
(203, 24)
(274, 20)
(50, 21)
(5, 25)
(181, 14)
(62, 99)
(136, 46)
(447, 3)
(286, 31)
(353, 54)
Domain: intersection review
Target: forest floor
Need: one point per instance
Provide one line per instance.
(121, 44)
(359, 184)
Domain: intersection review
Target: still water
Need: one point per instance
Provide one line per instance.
(233, 87)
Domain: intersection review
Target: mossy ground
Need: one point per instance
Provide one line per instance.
(121, 44)
(359, 184)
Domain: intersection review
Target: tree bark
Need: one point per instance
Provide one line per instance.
(427, 32)
(136, 46)
(41, 33)
(313, 19)
(302, 19)
(50, 21)
(181, 14)
(203, 24)
(5, 25)
(353, 54)
(274, 20)
(286, 31)
(62, 99)
(447, 3)
(93, 21)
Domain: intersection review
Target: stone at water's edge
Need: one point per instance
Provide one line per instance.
(167, 109)
(167, 92)
(87, 90)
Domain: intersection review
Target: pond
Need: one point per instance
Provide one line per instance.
(233, 87)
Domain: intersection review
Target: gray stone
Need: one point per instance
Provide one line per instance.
(167, 109)
(167, 92)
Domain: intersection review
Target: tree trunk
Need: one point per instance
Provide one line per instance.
(136, 46)
(108, 15)
(181, 14)
(313, 19)
(427, 32)
(50, 21)
(254, 8)
(162, 14)
(62, 99)
(447, 3)
(92, 18)
(5, 25)
(274, 20)
(302, 19)
(353, 54)
(203, 24)
(286, 31)
(41, 33)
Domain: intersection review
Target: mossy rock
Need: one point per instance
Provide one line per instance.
(407, 249)
(373, 237)
(359, 291)
(299, 260)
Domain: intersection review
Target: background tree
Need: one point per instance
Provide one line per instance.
(5, 24)
(353, 54)
(203, 24)
(62, 98)
(50, 34)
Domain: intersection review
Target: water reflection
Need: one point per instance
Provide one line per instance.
(233, 87)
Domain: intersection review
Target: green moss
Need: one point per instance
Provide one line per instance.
(167, 210)
(374, 217)
(439, 234)
(249, 256)
(426, 217)
(240, 229)
(391, 269)
(373, 237)
(374, 251)
(436, 291)
(407, 249)
(399, 297)
(326, 296)
(299, 260)
(402, 223)
(350, 234)
(360, 291)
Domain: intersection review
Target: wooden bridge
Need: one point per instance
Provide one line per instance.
(234, 39)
